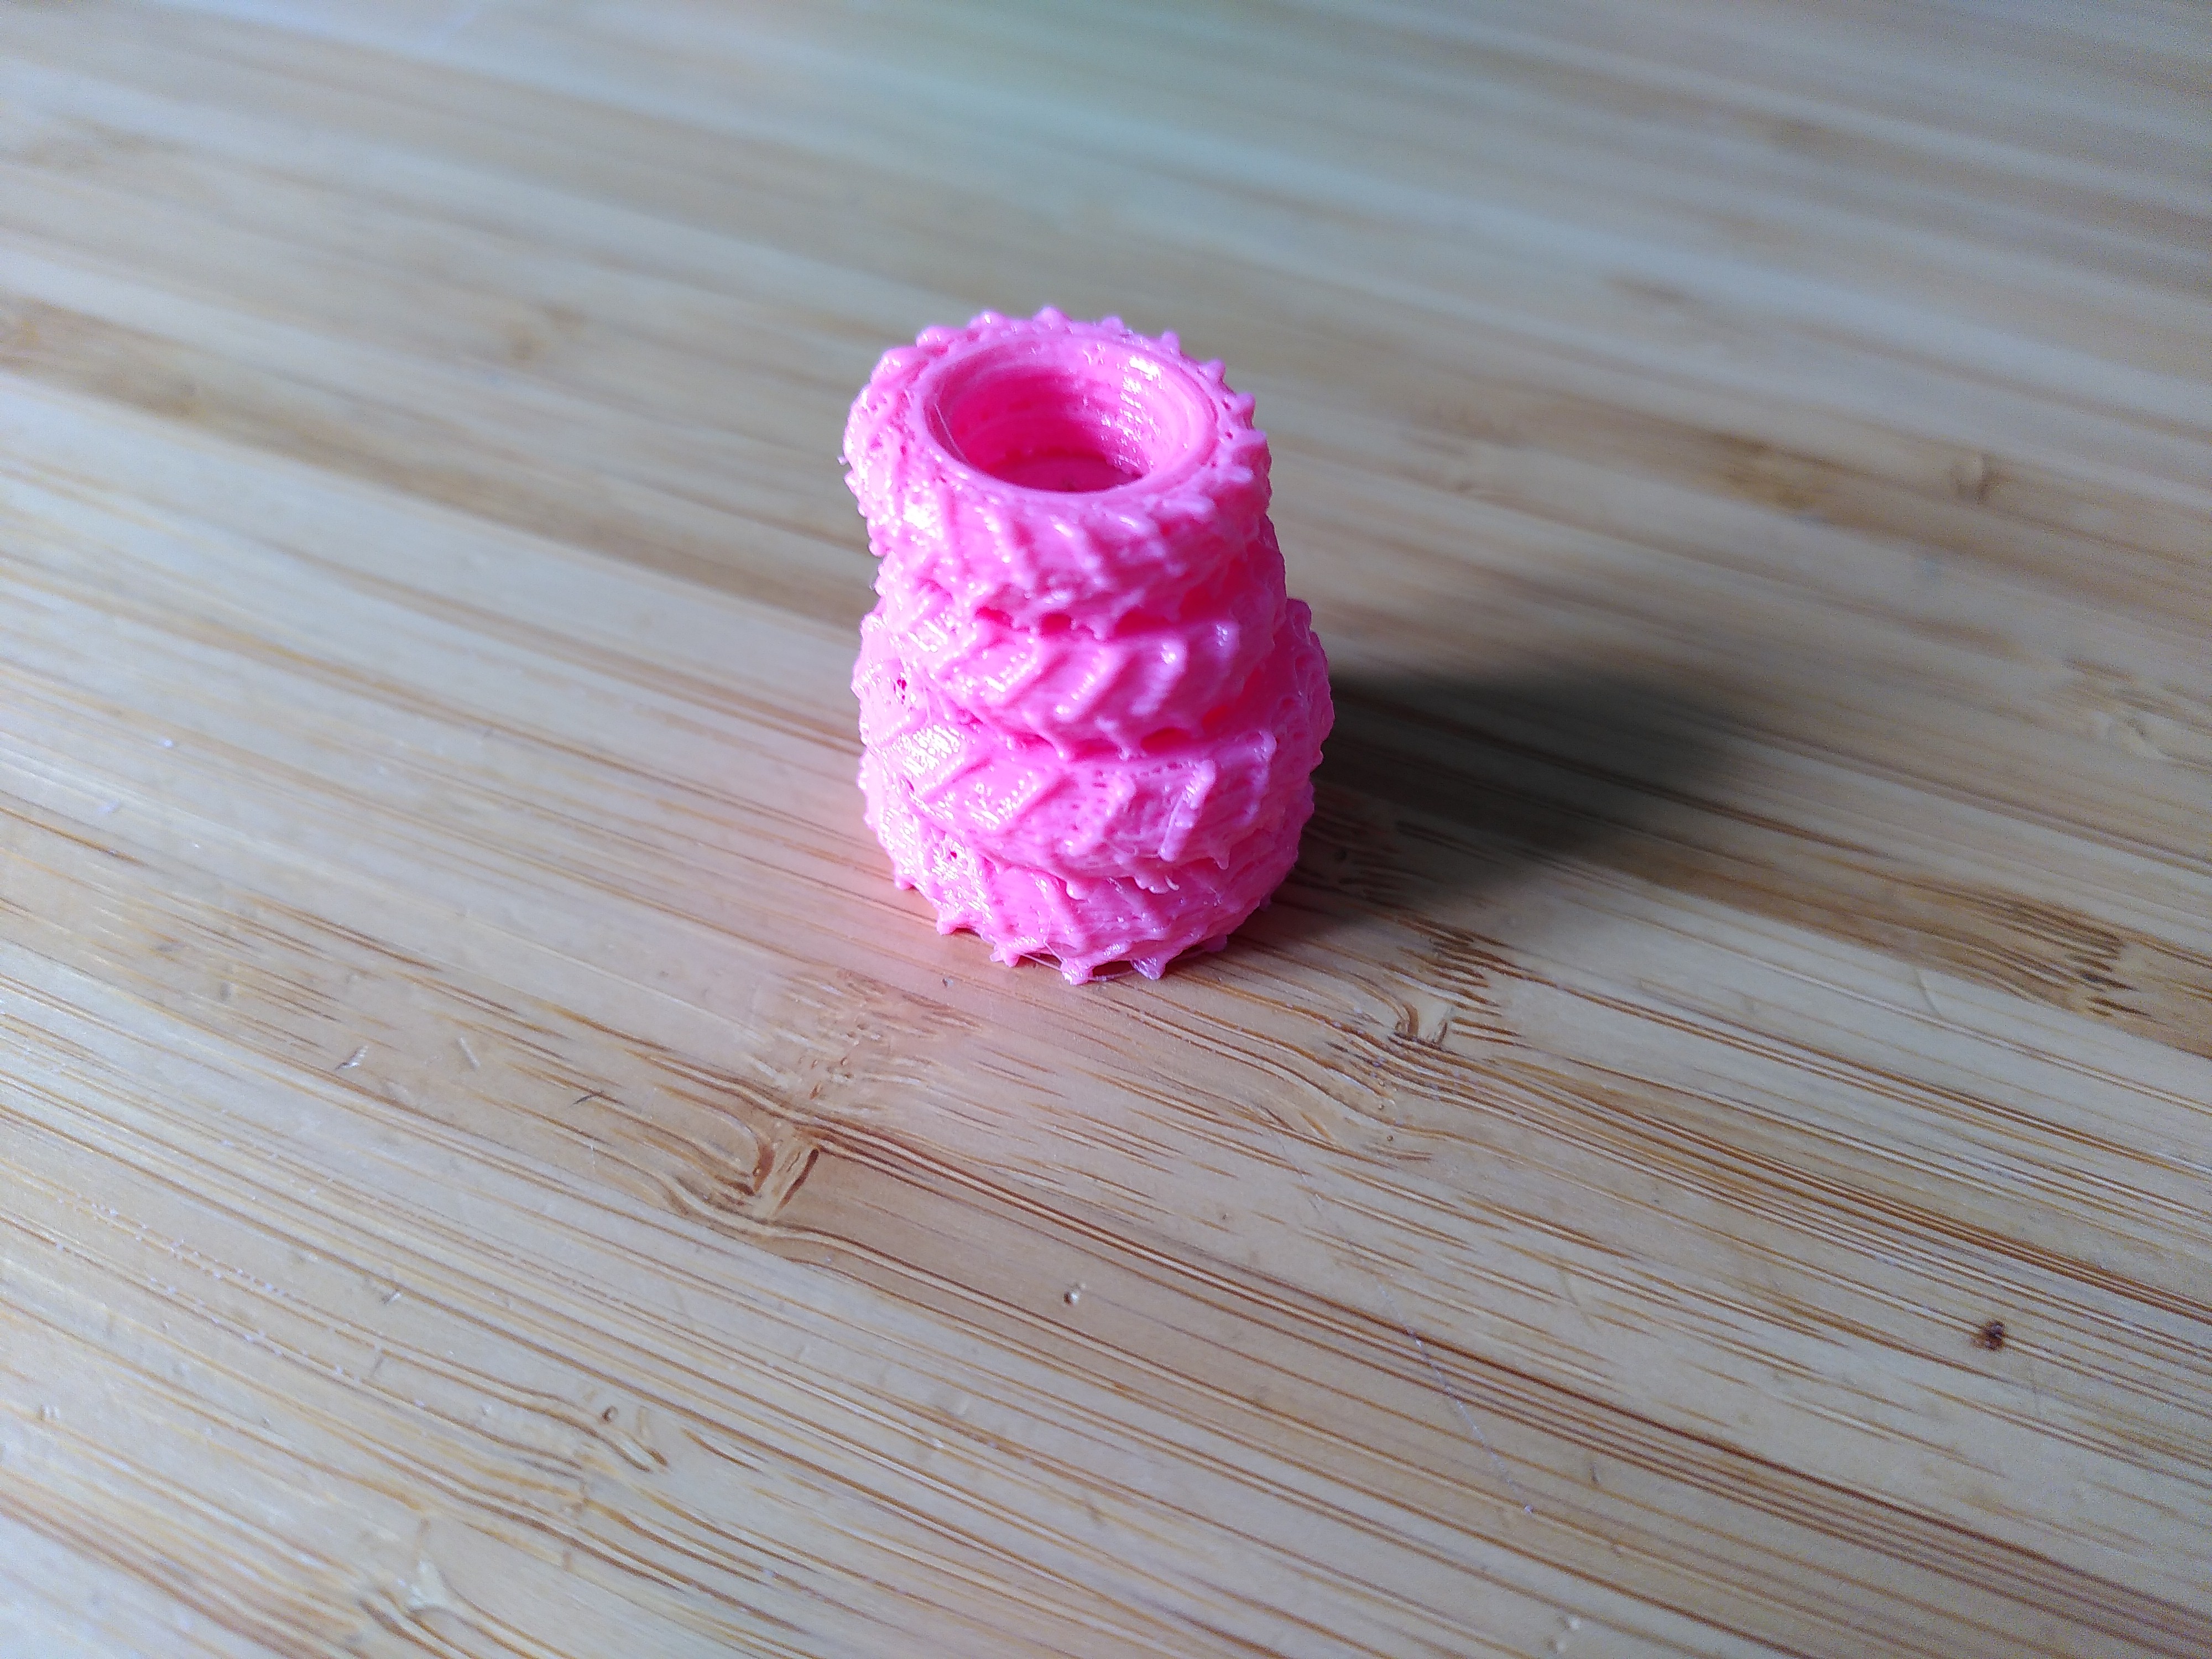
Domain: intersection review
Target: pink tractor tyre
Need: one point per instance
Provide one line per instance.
(1090, 713)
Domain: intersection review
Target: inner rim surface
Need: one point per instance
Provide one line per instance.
(1068, 415)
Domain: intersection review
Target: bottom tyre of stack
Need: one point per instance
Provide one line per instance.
(1093, 858)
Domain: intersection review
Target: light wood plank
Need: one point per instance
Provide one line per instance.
(494, 1168)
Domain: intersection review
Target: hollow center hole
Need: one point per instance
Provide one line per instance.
(1066, 414)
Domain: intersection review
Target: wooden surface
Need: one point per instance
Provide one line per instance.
(1709, 1155)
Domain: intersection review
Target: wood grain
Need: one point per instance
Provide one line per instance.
(492, 1167)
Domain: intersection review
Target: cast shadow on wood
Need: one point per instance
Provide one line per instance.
(1436, 787)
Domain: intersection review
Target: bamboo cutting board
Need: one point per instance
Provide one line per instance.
(1711, 1153)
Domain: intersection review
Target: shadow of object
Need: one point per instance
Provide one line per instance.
(1434, 786)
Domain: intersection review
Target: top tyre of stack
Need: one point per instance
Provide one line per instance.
(1044, 473)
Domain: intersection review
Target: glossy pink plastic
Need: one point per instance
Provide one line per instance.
(1090, 713)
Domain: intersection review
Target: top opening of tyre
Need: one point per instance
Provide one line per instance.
(1066, 414)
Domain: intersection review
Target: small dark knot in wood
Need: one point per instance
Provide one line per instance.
(1991, 1336)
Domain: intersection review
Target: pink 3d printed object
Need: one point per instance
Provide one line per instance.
(1090, 713)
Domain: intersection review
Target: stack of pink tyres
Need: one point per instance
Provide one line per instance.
(1090, 713)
